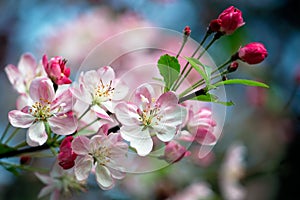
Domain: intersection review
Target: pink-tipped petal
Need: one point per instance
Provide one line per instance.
(167, 99)
(100, 113)
(63, 125)
(64, 102)
(37, 134)
(41, 90)
(27, 65)
(80, 145)
(83, 166)
(20, 119)
(22, 101)
(91, 80)
(103, 177)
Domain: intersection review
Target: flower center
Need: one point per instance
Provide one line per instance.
(150, 116)
(101, 155)
(41, 110)
(103, 92)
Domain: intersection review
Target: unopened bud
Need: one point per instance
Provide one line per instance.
(25, 160)
(233, 67)
(214, 25)
(187, 31)
(224, 78)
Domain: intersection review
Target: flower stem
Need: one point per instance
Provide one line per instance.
(12, 135)
(86, 111)
(24, 167)
(194, 94)
(88, 124)
(5, 132)
(185, 38)
(187, 63)
(22, 144)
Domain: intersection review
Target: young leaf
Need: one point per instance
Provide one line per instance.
(169, 69)
(4, 148)
(212, 98)
(242, 82)
(195, 64)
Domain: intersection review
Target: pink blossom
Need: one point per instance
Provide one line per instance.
(148, 117)
(175, 152)
(57, 70)
(97, 89)
(44, 109)
(22, 75)
(105, 152)
(253, 53)
(66, 156)
(200, 126)
(231, 19)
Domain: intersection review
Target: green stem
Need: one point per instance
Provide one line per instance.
(187, 63)
(201, 54)
(194, 86)
(87, 110)
(22, 144)
(88, 124)
(183, 44)
(12, 135)
(5, 132)
(222, 66)
(24, 167)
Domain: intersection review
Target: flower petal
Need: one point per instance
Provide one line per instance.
(41, 90)
(100, 113)
(91, 80)
(27, 66)
(167, 99)
(139, 138)
(80, 145)
(126, 113)
(20, 119)
(143, 96)
(23, 100)
(83, 166)
(15, 78)
(37, 134)
(106, 74)
(104, 178)
(46, 190)
(64, 102)
(121, 90)
(165, 132)
(63, 125)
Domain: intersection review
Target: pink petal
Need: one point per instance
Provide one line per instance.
(23, 100)
(15, 78)
(205, 136)
(80, 145)
(81, 93)
(103, 177)
(97, 141)
(64, 102)
(139, 139)
(167, 99)
(143, 95)
(63, 124)
(20, 119)
(100, 113)
(37, 134)
(173, 115)
(83, 166)
(126, 113)
(27, 66)
(41, 89)
(106, 74)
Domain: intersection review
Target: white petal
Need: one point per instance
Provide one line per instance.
(63, 103)
(104, 178)
(100, 113)
(20, 119)
(126, 113)
(165, 132)
(37, 134)
(121, 90)
(41, 89)
(83, 166)
(139, 139)
(91, 80)
(108, 105)
(46, 190)
(106, 74)
(27, 66)
(167, 99)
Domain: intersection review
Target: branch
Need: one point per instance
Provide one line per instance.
(22, 151)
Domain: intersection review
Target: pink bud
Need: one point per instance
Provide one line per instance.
(57, 70)
(66, 156)
(25, 160)
(187, 31)
(214, 25)
(253, 53)
(233, 66)
(231, 19)
(175, 152)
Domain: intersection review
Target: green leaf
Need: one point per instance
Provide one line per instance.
(4, 148)
(242, 82)
(212, 98)
(169, 69)
(195, 64)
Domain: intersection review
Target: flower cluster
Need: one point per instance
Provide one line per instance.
(93, 124)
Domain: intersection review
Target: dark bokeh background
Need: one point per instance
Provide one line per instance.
(259, 119)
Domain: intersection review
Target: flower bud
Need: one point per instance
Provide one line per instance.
(214, 25)
(175, 152)
(231, 19)
(253, 53)
(187, 31)
(25, 160)
(56, 70)
(233, 67)
(66, 156)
